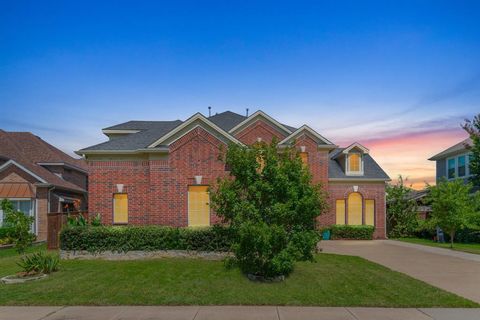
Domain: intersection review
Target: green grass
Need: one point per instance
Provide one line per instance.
(334, 280)
(465, 247)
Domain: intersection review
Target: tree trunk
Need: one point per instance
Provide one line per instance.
(452, 234)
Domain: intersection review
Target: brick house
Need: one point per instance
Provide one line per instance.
(38, 178)
(158, 172)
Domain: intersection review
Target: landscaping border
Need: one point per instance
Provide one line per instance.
(142, 255)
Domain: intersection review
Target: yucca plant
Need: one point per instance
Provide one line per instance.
(39, 262)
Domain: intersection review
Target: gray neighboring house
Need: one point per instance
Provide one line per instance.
(454, 162)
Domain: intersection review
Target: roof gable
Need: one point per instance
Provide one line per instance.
(193, 122)
(260, 115)
(455, 149)
(309, 131)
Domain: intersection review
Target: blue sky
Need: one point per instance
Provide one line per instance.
(352, 70)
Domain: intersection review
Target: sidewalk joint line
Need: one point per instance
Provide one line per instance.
(278, 313)
(418, 309)
(51, 313)
(353, 315)
(196, 313)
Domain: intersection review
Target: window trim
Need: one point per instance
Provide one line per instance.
(348, 172)
(467, 166)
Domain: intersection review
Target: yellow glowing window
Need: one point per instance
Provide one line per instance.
(198, 206)
(120, 208)
(354, 162)
(370, 212)
(340, 209)
(355, 208)
(304, 158)
(261, 164)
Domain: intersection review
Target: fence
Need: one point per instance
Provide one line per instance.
(56, 220)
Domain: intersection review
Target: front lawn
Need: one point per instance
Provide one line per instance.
(334, 280)
(465, 247)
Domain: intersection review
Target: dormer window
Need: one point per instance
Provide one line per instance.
(354, 164)
(353, 156)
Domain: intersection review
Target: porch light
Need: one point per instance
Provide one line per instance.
(198, 179)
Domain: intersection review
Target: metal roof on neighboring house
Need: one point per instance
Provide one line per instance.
(457, 148)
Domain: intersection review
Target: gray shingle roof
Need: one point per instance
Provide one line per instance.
(371, 169)
(150, 132)
(227, 120)
(459, 147)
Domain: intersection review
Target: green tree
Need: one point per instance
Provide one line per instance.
(453, 206)
(272, 206)
(473, 129)
(20, 224)
(402, 216)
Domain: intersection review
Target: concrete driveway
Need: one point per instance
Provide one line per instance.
(453, 271)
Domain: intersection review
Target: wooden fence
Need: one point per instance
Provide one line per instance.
(56, 220)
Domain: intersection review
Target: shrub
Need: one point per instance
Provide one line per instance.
(402, 216)
(6, 232)
(146, 238)
(272, 206)
(360, 232)
(20, 226)
(39, 262)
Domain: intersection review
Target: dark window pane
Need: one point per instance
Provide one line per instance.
(451, 168)
(461, 166)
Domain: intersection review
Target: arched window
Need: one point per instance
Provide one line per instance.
(355, 208)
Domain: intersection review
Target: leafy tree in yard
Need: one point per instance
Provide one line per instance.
(20, 224)
(270, 203)
(473, 129)
(452, 206)
(402, 219)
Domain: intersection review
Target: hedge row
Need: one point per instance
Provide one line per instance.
(352, 232)
(144, 238)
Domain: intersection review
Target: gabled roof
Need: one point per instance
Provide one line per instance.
(455, 149)
(306, 129)
(355, 145)
(371, 170)
(227, 120)
(26, 151)
(202, 120)
(254, 117)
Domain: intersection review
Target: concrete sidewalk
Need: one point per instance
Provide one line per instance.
(232, 312)
(454, 271)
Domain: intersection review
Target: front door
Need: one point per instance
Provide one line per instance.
(198, 206)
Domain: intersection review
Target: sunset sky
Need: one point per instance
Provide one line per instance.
(398, 78)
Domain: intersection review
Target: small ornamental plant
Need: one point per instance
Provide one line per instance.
(270, 203)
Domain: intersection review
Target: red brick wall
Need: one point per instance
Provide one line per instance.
(317, 159)
(157, 189)
(368, 191)
(259, 129)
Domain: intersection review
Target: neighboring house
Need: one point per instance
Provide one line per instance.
(158, 172)
(453, 163)
(421, 198)
(38, 178)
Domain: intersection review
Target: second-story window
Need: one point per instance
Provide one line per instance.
(354, 163)
(451, 168)
(304, 158)
(462, 167)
